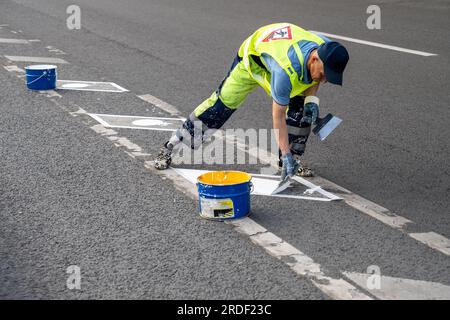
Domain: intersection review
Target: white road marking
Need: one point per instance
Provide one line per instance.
(361, 204)
(300, 263)
(35, 59)
(14, 41)
(74, 85)
(89, 86)
(433, 240)
(144, 123)
(160, 104)
(14, 68)
(376, 44)
(401, 289)
(264, 185)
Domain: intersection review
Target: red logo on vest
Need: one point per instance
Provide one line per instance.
(283, 33)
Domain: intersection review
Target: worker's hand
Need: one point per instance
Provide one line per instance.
(290, 166)
(310, 110)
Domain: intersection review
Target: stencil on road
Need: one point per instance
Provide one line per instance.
(135, 122)
(89, 86)
(265, 185)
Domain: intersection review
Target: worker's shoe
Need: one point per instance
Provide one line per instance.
(303, 170)
(164, 157)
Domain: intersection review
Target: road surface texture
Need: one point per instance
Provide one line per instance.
(72, 195)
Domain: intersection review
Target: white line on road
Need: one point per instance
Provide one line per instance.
(14, 41)
(14, 68)
(160, 104)
(35, 59)
(390, 288)
(376, 44)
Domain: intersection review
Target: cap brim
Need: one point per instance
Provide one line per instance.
(333, 76)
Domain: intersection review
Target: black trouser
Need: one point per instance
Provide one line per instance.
(298, 132)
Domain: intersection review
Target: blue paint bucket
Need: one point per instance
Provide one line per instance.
(41, 77)
(224, 195)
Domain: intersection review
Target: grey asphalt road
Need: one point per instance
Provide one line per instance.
(69, 197)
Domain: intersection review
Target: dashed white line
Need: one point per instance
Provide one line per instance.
(14, 41)
(160, 104)
(376, 44)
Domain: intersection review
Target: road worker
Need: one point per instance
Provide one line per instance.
(289, 63)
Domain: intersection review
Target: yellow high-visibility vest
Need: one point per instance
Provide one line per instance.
(275, 40)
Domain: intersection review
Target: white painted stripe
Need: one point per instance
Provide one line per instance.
(391, 288)
(300, 263)
(361, 204)
(160, 104)
(100, 120)
(376, 44)
(14, 41)
(35, 59)
(119, 87)
(14, 68)
(61, 85)
(139, 128)
(143, 117)
(433, 240)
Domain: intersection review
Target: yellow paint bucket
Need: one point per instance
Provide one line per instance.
(224, 194)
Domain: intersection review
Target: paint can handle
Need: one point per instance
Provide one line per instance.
(42, 75)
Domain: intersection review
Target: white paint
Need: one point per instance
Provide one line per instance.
(74, 85)
(402, 289)
(51, 93)
(35, 59)
(376, 44)
(138, 122)
(149, 122)
(14, 41)
(160, 104)
(264, 185)
(433, 240)
(89, 86)
(14, 68)
(300, 263)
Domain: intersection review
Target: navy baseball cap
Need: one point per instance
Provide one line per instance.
(334, 57)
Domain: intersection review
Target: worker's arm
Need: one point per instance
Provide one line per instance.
(280, 127)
